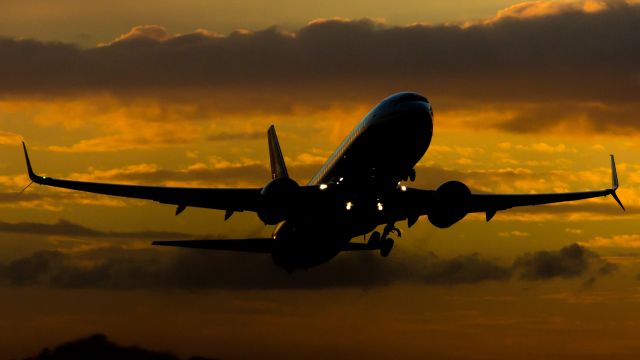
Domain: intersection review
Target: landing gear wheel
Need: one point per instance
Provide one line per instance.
(374, 238)
(385, 247)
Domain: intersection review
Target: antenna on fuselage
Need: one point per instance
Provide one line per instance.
(278, 168)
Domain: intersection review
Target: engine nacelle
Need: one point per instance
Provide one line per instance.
(278, 200)
(450, 205)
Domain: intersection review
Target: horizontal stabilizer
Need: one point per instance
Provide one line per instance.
(259, 245)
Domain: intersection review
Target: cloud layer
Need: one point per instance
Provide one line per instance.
(535, 52)
(122, 269)
(544, 66)
(66, 228)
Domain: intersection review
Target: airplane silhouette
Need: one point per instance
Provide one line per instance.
(358, 189)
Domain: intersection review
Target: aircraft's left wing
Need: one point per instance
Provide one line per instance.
(424, 202)
(246, 199)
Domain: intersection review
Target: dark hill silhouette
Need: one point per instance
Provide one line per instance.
(98, 347)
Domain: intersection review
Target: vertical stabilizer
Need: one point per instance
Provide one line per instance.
(278, 168)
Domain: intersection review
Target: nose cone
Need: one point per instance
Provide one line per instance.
(403, 101)
(405, 121)
(405, 96)
(407, 107)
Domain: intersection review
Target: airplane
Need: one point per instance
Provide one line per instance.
(357, 189)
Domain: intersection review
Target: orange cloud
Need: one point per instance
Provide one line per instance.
(587, 85)
(624, 241)
(149, 32)
(9, 138)
(533, 9)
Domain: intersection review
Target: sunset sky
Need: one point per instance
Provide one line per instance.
(527, 97)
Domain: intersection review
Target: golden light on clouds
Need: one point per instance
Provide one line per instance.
(529, 99)
(545, 8)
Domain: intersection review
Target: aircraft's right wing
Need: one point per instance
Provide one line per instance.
(428, 202)
(490, 203)
(235, 199)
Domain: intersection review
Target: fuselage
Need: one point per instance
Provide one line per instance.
(362, 177)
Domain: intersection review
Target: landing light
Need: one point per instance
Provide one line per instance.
(349, 205)
(379, 206)
(403, 188)
(341, 179)
(323, 186)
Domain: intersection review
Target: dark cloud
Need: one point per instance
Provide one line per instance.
(569, 262)
(98, 347)
(45, 199)
(15, 197)
(463, 270)
(570, 56)
(67, 228)
(152, 269)
(187, 269)
(602, 115)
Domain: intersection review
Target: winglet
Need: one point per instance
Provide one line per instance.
(278, 168)
(614, 174)
(614, 182)
(35, 178)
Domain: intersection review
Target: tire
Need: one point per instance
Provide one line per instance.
(386, 247)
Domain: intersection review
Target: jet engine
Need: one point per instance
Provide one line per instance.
(450, 204)
(278, 198)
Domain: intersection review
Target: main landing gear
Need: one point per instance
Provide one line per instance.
(383, 242)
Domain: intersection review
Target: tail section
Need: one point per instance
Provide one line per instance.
(278, 168)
